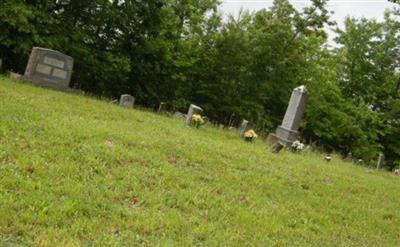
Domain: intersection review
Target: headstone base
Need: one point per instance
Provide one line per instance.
(272, 139)
(286, 136)
(50, 85)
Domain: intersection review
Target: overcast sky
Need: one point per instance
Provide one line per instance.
(342, 8)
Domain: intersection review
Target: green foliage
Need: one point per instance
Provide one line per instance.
(369, 61)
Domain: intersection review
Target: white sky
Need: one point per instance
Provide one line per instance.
(342, 8)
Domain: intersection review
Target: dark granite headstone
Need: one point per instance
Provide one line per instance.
(49, 68)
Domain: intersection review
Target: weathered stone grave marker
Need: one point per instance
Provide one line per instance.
(381, 161)
(245, 126)
(231, 119)
(193, 109)
(287, 132)
(49, 68)
(179, 115)
(162, 107)
(127, 100)
(15, 76)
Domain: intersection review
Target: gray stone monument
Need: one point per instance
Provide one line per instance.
(179, 115)
(193, 109)
(162, 107)
(15, 76)
(381, 161)
(49, 68)
(127, 100)
(245, 126)
(287, 132)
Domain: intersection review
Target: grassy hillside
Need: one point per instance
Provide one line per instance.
(81, 172)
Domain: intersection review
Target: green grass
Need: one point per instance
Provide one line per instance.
(75, 171)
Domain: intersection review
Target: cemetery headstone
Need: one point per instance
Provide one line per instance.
(162, 107)
(231, 119)
(245, 126)
(49, 68)
(15, 76)
(180, 115)
(127, 100)
(193, 109)
(381, 161)
(287, 132)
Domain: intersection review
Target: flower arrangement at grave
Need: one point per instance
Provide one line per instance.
(297, 146)
(197, 120)
(250, 135)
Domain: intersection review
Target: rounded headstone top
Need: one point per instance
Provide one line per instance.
(196, 107)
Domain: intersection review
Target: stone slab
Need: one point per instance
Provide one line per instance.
(49, 68)
(127, 100)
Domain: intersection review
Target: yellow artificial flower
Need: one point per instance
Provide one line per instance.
(250, 134)
(197, 118)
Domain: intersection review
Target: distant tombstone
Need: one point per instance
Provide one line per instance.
(231, 119)
(193, 109)
(232, 128)
(162, 107)
(49, 68)
(287, 132)
(127, 100)
(180, 115)
(245, 126)
(381, 161)
(15, 76)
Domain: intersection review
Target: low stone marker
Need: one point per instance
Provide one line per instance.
(15, 76)
(49, 68)
(162, 107)
(193, 109)
(381, 161)
(287, 132)
(179, 115)
(328, 158)
(245, 126)
(127, 100)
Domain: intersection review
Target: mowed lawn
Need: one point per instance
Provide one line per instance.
(76, 171)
